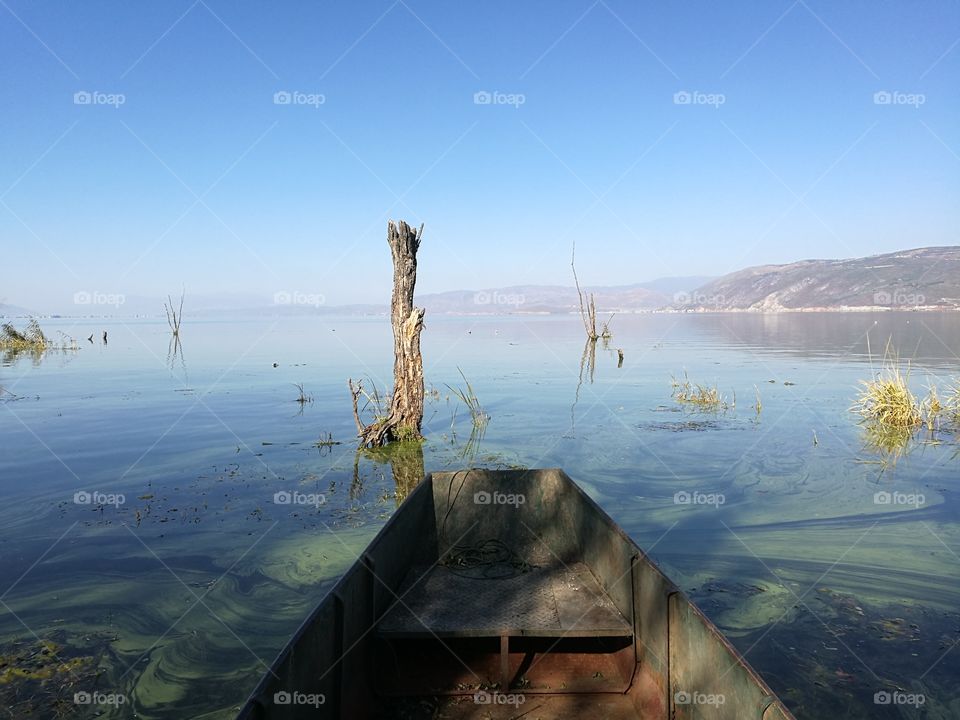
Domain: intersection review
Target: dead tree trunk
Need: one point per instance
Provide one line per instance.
(402, 422)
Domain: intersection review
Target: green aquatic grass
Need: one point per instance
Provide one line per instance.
(31, 338)
(703, 397)
(952, 401)
(469, 398)
(887, 399)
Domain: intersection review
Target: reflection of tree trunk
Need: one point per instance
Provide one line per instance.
(588, 362)
(406, 404)
(406, 466)
(589, 359)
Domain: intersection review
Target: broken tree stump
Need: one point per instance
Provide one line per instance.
(405, 414)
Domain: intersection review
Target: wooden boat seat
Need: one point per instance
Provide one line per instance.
(555, 600)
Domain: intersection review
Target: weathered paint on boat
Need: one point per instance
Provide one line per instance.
(583, 624)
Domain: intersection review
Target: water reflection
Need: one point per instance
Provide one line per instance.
(927, 338)
(405, 460)
(175, 354)
(588, 366)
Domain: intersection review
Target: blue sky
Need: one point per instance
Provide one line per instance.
(199, 178)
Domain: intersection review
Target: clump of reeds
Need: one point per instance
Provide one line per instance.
(31, 338)
(932, 408)
(469, 398)
(887, 401)
(302, 398)
(893, 416)
(953, 401)
(703, 397)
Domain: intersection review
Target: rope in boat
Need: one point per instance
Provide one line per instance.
(489, 560)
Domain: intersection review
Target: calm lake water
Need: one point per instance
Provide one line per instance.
(175, 596)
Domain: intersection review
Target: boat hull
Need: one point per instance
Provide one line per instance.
(491, 593)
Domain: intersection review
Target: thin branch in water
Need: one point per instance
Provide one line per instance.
(588, 310)
(174, 317)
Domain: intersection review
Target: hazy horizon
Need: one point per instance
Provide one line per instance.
(215, 147)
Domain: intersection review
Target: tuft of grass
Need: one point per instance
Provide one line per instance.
(758, 406)
(31, 338)
(469, 398)
(302, 398)
(887, 401)
(326, 441)
(703, 397)
(953, 401)
(893, 416)
(931, 408)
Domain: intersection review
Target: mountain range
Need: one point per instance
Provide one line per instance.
(917, 279)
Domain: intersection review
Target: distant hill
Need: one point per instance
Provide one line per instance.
(673, 285)
(557, 298)
(14, 311)
(921, 279)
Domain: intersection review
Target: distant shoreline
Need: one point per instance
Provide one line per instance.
(332, 312)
